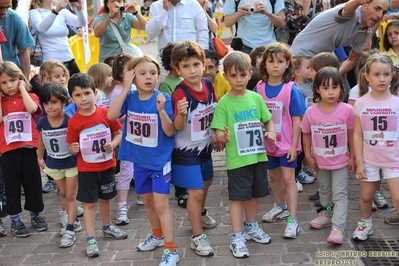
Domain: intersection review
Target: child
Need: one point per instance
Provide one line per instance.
(102, 76)
(192, 168)
(246, 168)
(255, 55)
(285, 101)
(18, 147)
(149, 131)
(375, 139)
(327, 128)
(59, 164)
(92, 137)
(391, 41)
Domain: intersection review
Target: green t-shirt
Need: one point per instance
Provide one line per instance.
(236, 112)
(168, 85)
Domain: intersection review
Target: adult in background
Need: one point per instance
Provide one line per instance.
(50, 23)
(124, 22)
(19, 40)
(349, 24)
(255, 21)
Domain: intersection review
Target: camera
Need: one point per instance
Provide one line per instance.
(121, 8)
(251, 8)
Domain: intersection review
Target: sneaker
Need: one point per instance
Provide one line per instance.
(122, 218)
(92, 250)
(307, 170)
(207, 221)
(314, 196)
(298, 185)
(150, 243)
(304, 178)
(317, 203)
(238, 247)
(139, 200)
(63, 218)
(19, 230)
(320, 221)
(169, 258)
(373, 207)
(256, 234)
(274, 214)
(79, 211)
(182, 200)
(39, 222)
(379, 200)
(201, 245)
(292, 228)
(336, 236)
(114, 232)
(77, 227)
(3, 231)
(394, 219)
(49, 186)
(363, 230)
(68, 239)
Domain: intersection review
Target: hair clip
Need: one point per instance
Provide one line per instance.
(121, 55)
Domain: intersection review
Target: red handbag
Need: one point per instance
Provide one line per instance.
(220, 47)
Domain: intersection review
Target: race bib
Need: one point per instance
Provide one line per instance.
(249, 137)
(308, 101)
(55, 143)
(92, 143)
(276, 108)
(17, 127)
(330, 141)
(200, 122)
(380, 123)
(103, 103)
(142, 129)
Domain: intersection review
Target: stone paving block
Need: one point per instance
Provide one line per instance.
(260, 260)
(118, 263)
(11, 260)
(296, 258)
(132, 255)
(37, 259)
(69, 257)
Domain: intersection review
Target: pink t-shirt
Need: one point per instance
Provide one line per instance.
(379, 121)
(329, 133)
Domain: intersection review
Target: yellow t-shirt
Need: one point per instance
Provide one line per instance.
(221, 85)
(394, 56)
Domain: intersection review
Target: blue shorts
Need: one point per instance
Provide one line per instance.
(274, 162)
(147, 181)
(192, 176)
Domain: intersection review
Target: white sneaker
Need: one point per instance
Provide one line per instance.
(139, 200)
(169, 258)
(63, 218)
(363, 230)
(238, 247)
(150, 243)
(68, 239)
(77, 226)
(207, 221)
(79, 211)
(122, 218)
(292, 228)
(256, 234)
(276, 213)
(379, 200)
(201, 245)
(298, 185)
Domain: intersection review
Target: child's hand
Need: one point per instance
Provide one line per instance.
(351, 165)
(74, 148)
(108, 147)
(22, 85)
(311, 162)
(224, 135)
(182, 106)
(291, 154)
(361, 172)
(160, 102)
(41, 163)
(271, 135)
(217, 145)
(128, 80)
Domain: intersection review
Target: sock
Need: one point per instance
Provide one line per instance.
(88, 238)
(122, 203)
(249, 226)
(170, 245)
(236, 235)
(157, 233)
(369, 220)
(33, 215)
(282, 205)
(195, 236)
(70, 227)
(203, 213)
(15, 219)
(106, 226)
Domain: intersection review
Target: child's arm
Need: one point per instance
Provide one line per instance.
(114, 110)
(180, 119)
(296, 133)
(307, 143)
(223, 135)
(1, 109)
(358, 148)
(270, 130)
(29, 103)
(352, 161)
(167, 123)
(40, 152)
(116, 139)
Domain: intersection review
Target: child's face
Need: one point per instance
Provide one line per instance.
(53, 107)
(379, 76)
(84, 98)
(393, 35)
(276, 65)
(191, 70)
(58, 76)
(9, 85)
(238, 80)
(210, 70)
(304, 69)
(108, 80)
(146, 76)
(329, 92)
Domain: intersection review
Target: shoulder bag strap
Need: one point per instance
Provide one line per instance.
(117, 34)
(237, 2)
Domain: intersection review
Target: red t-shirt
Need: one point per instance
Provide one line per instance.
(8, 106)
(98, 119)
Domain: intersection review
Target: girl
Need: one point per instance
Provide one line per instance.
(59, 164)
(285, 102)
(149, 131)
(102, 76)
(391, 41)
(18, 145)
(327, 128)
(375, 139)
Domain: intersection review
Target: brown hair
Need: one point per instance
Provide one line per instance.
(99, 72)
(238, 60)
(324, 59)
(46, 69)
(118, 65)
(182, 51)
(12, 70)
(323, 77)
(142, 59)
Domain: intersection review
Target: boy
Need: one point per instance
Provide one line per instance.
(193, 101)
(239, 120)
(92, 137)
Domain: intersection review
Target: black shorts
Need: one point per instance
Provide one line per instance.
(96, 185)
(248, 182)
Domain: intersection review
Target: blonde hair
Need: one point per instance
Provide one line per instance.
(46, 69)
(99, 72)
(142, 59)
(12, 70)
(35, 4)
